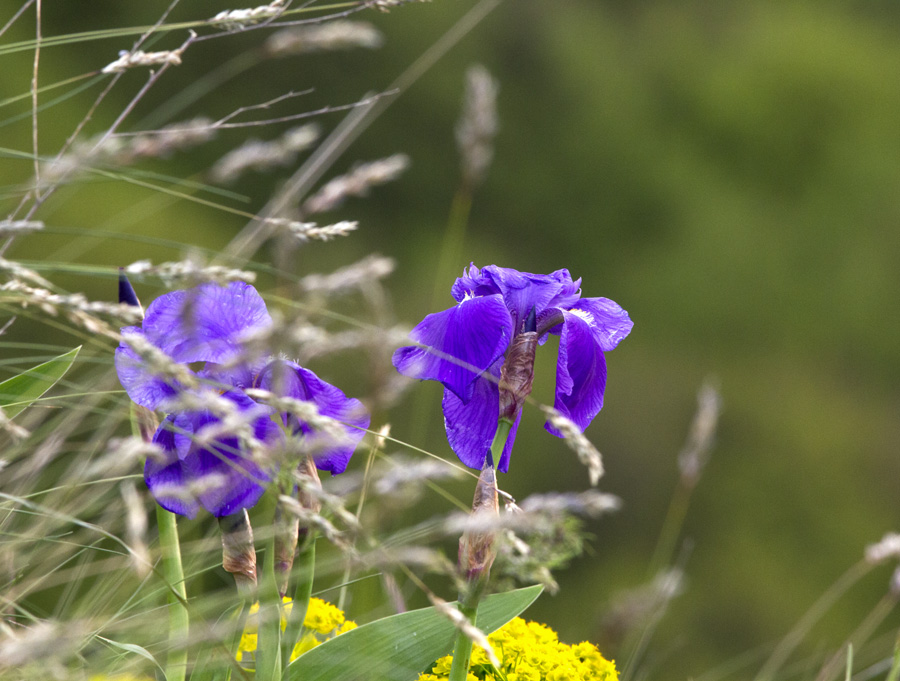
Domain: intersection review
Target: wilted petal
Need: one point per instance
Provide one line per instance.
(580, 373)
(289, 379)
(609, 323)
(143, 387)
(475, 333)
(205, 323)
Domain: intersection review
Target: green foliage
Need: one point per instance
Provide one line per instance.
(21, 391)
(400, 647)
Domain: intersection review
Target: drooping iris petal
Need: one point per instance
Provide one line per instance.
(468, 338)
(226, 480)
(471, 426)
(166, 477)
(609, 323)
(217, 475)
(580, 373)
(289, 379)
(205, 323)
(143, 386)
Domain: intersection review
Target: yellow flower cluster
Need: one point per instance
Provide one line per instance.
(323, 621)
(529, 651)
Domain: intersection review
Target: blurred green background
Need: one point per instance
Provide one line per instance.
(728, 172)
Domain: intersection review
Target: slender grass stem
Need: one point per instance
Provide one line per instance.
(173, 572)
(894, 674)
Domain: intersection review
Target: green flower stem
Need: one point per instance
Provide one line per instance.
(462, 650)
(468, 601)
(268, 651)
(306, 568)
(173, 573)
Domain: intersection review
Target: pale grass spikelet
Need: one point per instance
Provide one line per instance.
(128, 60)
(590, 503)
(311, 518)
(126, 149)
(539, 513)
(310, 231)
(231, 420)
(383, 557)
(122, 456)
(42, 644)
(160, 143)
(332, 35)
(388, 5)
(158, 363)
(189, 273)
(256, 155)
(354, 277)
(356, 183)
(381, 437)
(578, 443)
(888, 547)
(11, 428)
(478, 125)
(461, 622)
(75, 306)
(136, 529)
(695, 454)
(18, 271)
(19, 227)
(304, 410)
(402, 473)
(640, 609)
(237, 19)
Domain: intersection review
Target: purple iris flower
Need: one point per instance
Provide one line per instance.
(466, 346)
(208, 325)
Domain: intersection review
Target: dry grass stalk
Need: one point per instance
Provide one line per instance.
(578, 443)
(256, 155)
(356, 183)
(332, 35)
(237, 19)
(478, 125)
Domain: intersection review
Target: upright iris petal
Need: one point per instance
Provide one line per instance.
(202, 464)
(466, 349)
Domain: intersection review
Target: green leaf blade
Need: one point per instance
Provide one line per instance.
(21, 391)
(399, 647)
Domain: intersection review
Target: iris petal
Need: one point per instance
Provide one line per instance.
(143, 387)
(609, 322)
(520, 290)
(580, 373)
(471, 426)
(205, 323)
(291, 380)
(217, 476)
(165, 475)
(474, 333)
